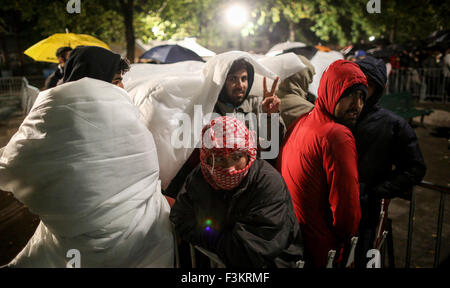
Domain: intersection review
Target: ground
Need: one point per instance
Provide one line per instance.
(17, 224)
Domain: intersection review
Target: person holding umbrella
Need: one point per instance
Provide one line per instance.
(63, 55)
(60, 44)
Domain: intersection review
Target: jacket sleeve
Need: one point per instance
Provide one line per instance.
(340, 163)
(182, 215)
(409, 164)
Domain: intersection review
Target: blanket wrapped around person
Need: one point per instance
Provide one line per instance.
(85, 164)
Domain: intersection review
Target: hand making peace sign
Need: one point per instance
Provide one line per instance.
(271, 103)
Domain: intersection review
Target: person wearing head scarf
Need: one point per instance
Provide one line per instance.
(235, 100)
(97, 63)
(83, 161)
(383, 140)
(318, 161)
(235, 205)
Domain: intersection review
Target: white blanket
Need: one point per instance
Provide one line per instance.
(85, 164)
(166, 96)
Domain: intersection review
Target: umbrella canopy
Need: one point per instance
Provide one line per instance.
(45, 50)
(191, 43)
(280, 47)
(307, 51)
(166, 54)
(438, 40)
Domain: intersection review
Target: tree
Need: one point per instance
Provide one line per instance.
(343, 21)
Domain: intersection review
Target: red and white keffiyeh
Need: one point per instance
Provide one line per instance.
(222, 137)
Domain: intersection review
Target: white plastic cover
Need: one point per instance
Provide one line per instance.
(321, 61)
(280, 47)
(166, 96)
(85, 164)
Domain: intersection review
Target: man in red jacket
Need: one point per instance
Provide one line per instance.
(318, 162)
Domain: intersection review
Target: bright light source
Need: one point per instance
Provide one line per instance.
(155, 30)
(236, 15)
(371, 38)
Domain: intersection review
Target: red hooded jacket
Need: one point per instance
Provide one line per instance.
(318, 162)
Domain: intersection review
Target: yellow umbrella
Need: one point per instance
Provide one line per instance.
(45, 50)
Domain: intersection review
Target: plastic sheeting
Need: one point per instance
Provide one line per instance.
(84, 163)
(176, 100)
(321, 61)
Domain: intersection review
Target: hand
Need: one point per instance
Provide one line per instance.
(271, 103)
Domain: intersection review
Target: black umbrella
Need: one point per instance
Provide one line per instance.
(166, 54)
(438, 40)
(307, 51)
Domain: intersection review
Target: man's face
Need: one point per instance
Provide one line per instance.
(63, 60)
(117, 80)
(347, 110)
(236, 86)
(237, 160)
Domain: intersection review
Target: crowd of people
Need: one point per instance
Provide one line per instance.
(425, 73)
(340, 160)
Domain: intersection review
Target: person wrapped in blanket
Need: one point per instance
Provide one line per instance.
(85, 164)
(235, 205)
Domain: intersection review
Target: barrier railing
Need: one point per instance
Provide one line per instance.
(15, 92)
(443, 192)
(424, 84)
(10, 90)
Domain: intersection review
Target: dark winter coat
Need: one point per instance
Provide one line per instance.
(54, 78)
(251, 226)
(390, 162)
(389, 158)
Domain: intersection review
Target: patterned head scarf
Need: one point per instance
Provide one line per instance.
(222, 137)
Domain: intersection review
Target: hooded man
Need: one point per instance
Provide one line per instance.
(383, 140)
(235, 99)
(235, 205)
(318, 161)
(293, 93)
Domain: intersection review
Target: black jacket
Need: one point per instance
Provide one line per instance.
(252, 226)
(53, 79)
(390, 162)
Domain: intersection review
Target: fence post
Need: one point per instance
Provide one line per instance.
(437, 251)
(412, 207)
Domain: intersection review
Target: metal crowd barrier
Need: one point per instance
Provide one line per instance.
(15, 93)
(443, 191)
(424, 84)
(10, 90)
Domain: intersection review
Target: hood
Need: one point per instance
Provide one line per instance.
(337, 78)
(376, 70)
(251, 76)
(299, 82)
(93, 62)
